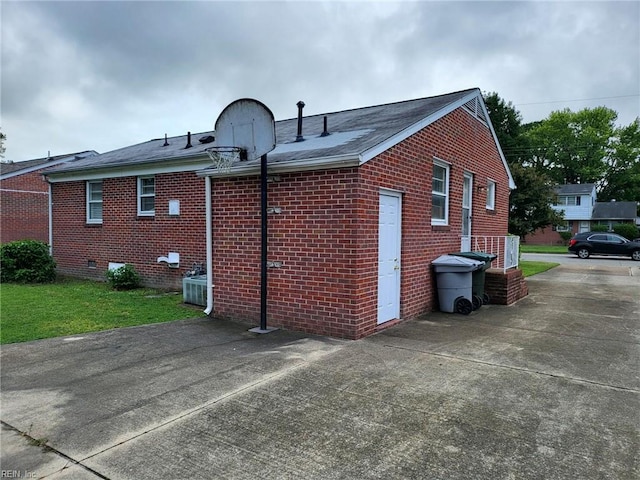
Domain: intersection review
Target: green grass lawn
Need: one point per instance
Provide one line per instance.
(531, 268)
(543, 248)
(72, 306)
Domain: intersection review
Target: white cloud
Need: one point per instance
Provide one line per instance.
(102, 75)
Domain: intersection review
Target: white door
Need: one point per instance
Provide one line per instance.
(465, 244)
(389, 257)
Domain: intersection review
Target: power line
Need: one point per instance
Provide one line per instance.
(577, 100)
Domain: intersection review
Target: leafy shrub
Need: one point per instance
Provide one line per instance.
(565, 236)
(627, 230)
(599, 228)
(26, 261)
(124, 277)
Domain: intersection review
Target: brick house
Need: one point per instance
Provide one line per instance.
(581, 212)
(357, 212)
(24, 197)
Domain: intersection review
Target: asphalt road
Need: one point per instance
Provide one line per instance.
(571, 259)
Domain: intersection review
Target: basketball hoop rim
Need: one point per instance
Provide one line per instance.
(224, 157)
(224, 149)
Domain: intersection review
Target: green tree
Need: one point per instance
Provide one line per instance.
(507, 123)
(622, 177)
(571, 147)
(530, 203)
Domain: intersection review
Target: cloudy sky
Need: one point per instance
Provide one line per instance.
(102, 75)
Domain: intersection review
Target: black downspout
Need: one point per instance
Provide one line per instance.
(263, 259)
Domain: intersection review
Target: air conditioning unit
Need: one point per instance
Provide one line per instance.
(194, 290)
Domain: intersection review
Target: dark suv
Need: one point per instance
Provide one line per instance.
(602, 243)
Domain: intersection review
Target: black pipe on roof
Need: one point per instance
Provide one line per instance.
(325, 131)
(299, 137)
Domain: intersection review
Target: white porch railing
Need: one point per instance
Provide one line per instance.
(506, 249)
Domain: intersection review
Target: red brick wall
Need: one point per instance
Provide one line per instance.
(548, 236)
(313, 237)
(123, 236)
(505, 288)
(24, 208)
(327, 233)
(325, 236)
(466, 144)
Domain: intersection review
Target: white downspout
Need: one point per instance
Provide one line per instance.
(207, 203)
(50, 222)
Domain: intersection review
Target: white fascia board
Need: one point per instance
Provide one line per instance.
(425, 122)
(333, 162)
(41, 166)
(512, 184)
(131, 170)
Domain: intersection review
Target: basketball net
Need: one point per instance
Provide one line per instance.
(223, 158)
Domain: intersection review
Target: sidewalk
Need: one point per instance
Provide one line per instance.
(546, 388)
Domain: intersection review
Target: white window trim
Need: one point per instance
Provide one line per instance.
(447, 168)
(563, 201)
(491, 194)
(93, 221)
(140, 195)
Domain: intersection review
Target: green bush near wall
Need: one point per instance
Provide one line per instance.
(123, 278)
(566, 236)
(26, 261)
(627, 230)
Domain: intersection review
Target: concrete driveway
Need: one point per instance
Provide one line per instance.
(547, 388)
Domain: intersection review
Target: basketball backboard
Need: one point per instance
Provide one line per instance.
(246, 124)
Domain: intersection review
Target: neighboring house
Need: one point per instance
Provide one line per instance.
(356, 216)
(24, 197)
(612, 213)
(581, 213)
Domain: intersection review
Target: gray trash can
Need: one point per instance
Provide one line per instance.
(478, 276)
(455, 283)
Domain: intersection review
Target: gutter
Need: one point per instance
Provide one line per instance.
(286, 166)
(117, 171)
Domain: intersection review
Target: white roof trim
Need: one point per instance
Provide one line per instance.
(129, 171)
(45, 165)
(512, 184)
(425, 122)
(324, 163)
(415, 128)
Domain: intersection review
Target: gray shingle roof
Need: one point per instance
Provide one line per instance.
(614, 211)
(36, 163)
(352, 133)
(575, 189)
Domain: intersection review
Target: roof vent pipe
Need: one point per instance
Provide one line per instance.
(325, 132)
(188, 140)
(166, 142)
(299, 137)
